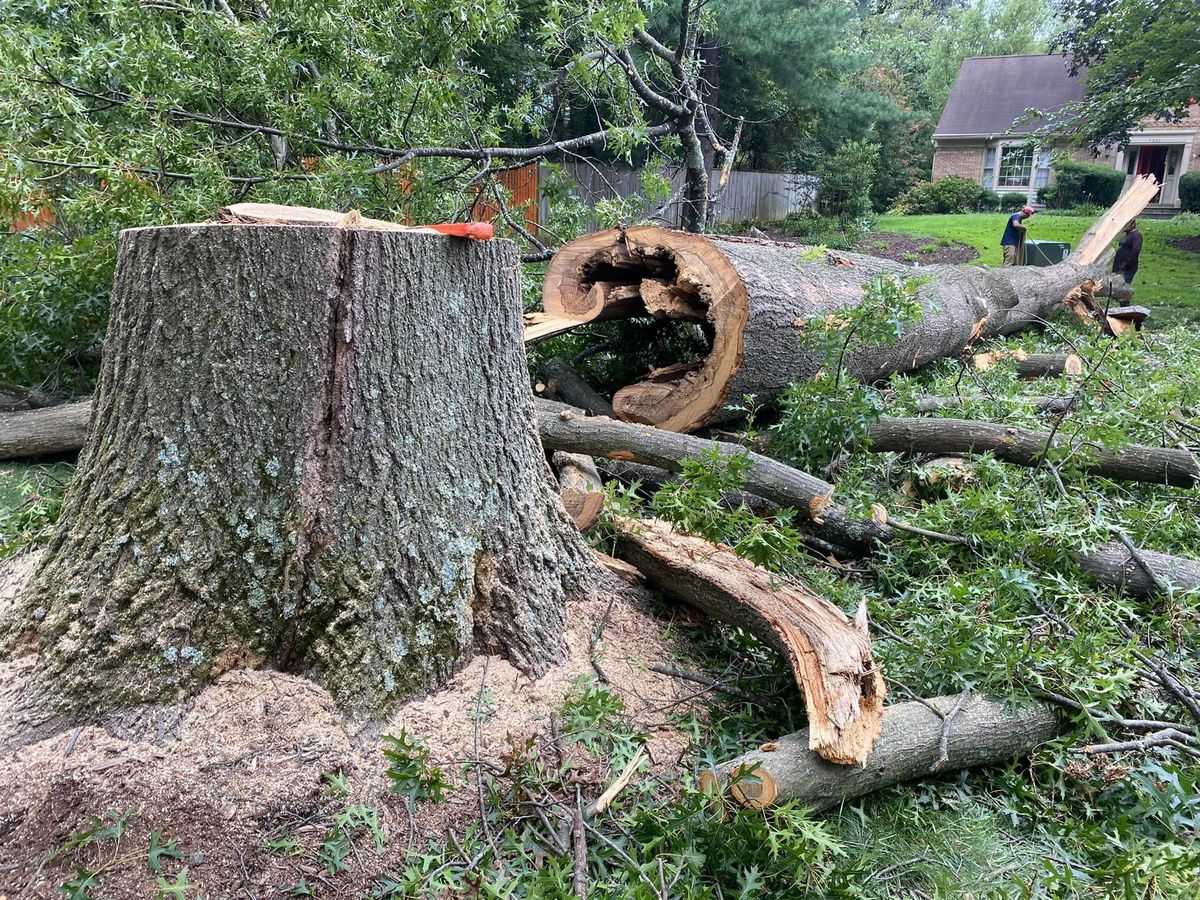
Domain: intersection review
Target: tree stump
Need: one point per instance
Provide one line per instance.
(314, 449)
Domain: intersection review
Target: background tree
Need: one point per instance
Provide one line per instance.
(1142, 59)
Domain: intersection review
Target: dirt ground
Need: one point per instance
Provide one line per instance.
(245, 763)
(1185, 243)
(925, 251)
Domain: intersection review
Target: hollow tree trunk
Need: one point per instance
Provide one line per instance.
(274, 477)
(757, 297)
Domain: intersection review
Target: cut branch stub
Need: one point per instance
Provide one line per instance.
(829, 655)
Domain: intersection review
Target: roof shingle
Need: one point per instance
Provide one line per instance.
(992, 92)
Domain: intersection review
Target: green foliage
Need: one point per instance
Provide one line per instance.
(844, 192)
(174, 890)
(1078, 183)
(81, 886)
(409, 770)
(1142, 60)
(952, 194)
(338, 845)
(1012, 201)
(30, 499)
(159, 850)
(1189, 191)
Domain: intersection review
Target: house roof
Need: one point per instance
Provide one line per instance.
(992, 92)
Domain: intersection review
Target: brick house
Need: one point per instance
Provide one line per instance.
(977, 135)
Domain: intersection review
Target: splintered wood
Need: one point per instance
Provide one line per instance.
(829, 654)
(1094, 243)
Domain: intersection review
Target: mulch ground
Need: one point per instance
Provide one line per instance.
(925, 251)
(1191, 244)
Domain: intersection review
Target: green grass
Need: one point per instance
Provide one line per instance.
(1168, 277)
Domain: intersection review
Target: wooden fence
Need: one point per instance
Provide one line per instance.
(762, 196)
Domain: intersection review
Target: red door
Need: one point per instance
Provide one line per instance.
(1153, 161)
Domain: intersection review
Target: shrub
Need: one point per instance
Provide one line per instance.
(1047, 196)
(844, 192)
(1013, 200)
(952, 194)
(988, 200)
(1078, 182)
(1189, 191)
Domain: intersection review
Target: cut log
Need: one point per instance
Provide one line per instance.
(47, 431)
(1114, 566)
(758, 296)
(274, 477)
(910, 746)
(562, 383)
(1032, 365)
(829, 655)
(1025, 447)
(580, 487)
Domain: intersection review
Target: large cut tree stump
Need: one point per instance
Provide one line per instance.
(312, 448)
(755, 298)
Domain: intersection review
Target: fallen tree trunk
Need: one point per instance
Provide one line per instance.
(653, 478)
(46, 431)
(580, 487)
(914, 742)
(1025, 447)
(757, 297)
(829, 655)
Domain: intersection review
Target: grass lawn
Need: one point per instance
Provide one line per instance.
(1167, 277)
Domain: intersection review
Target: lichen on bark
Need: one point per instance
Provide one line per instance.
(311, 448)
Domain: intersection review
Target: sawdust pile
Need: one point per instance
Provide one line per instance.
(246, 761)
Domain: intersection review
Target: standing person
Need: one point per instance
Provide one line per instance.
(1125, 263)
(1013, 241)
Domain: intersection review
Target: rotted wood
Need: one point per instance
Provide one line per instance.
(910, 746)
(829, 654)
(580, 487)
(1026, 447)
(759, 296)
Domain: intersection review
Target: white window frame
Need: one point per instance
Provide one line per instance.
(1033, 159)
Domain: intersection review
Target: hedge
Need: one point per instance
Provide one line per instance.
(1079, 182)
(1189, 191)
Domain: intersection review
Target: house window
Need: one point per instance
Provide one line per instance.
(1042, 176)
(1131, 156)
(989, 168)
(1016, 166)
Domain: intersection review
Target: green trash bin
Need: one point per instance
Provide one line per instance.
(1045, 253)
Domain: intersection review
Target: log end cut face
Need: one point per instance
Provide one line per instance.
(650, 272)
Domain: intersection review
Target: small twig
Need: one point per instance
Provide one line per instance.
(597, 635)
(699, 678)
(944, 741)
(1164, 587)
(1167, 737)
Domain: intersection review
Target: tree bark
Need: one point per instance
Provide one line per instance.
(1051, 405)
(1025, 447)
(47, 431)
(829, 655)
(274, 475)
(759, 297)
(1113, 565)
(562, 383)
(1032, 365)
(910, 746)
